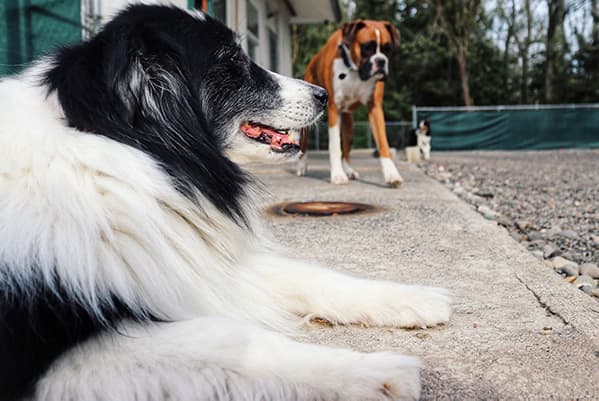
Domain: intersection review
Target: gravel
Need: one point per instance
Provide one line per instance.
(548, 200)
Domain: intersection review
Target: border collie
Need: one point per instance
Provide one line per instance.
(132, 263)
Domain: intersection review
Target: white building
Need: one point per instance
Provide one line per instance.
(264, 25)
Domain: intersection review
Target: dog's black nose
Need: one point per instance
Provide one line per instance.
(380, 62)
(320, 95)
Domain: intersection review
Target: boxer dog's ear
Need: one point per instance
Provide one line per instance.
(349, 32)
(394, 34)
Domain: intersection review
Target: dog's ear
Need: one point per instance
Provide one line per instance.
(394, 33)
(145, 76)
(350, 30)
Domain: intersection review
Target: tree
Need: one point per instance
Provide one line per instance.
(456, 20)
(519, 18)
(555, 37)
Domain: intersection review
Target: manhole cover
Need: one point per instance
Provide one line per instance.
(318, 209)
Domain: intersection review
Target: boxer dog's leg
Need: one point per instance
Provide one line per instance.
(302, 163)
(347, 127)
(337, 174)
(377, 124)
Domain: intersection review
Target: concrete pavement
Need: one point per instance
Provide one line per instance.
(518, 331)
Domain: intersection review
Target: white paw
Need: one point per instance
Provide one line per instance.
(381, 376)
(390, 173)
(302, 166)
(349, 171)
(412, 306)
(388, 304)
(339, 177)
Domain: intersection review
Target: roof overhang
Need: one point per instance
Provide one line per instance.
(313, 11)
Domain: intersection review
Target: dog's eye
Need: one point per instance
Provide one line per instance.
(386, 48)
(368, 49)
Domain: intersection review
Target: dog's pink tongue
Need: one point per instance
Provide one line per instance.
(276, 139)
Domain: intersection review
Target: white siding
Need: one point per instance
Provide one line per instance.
(236, 20)
(279, 22)
(109, 7)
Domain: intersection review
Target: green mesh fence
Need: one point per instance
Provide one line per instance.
(29, 28)
(549, 127)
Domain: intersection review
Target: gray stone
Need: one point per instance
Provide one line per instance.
(553, 231)
(534, 236)
(444, 177)
(458, 189)
(570, 234)
(504, 221)
(569, 270)
(590, 269)
(523, 225)
(550, 251)
(489, 216)
(595, 240)
(486, 212)
(477, 200)
(536, 244)
(538, 253)
(583, 281)
(559, 262)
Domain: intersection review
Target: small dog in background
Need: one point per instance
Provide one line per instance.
(419, 142)
(423, 136)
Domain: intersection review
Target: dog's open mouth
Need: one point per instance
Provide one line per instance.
(280, 140)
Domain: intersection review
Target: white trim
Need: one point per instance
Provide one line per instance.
(512, 107)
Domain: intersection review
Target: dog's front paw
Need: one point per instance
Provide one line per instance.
(415, 306)
(349, 171)
(390, 173)
(382, 376)
(339, 178)
(302, 166)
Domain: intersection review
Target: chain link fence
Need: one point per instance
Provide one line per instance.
(397, 135)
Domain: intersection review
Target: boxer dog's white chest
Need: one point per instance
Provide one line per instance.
(348, 88)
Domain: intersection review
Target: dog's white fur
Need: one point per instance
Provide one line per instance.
(145, 242)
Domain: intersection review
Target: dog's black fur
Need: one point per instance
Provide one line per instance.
(167, 83)
(191, 68)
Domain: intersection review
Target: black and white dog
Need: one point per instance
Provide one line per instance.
(419, 142)
(423, 136)
(132, 264)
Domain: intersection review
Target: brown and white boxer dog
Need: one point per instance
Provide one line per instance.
(352, 66)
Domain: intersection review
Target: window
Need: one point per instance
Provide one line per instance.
(273, 44)
(215, 8)
(218, 9)
(252, 48)
(253, 33)
(252, 16)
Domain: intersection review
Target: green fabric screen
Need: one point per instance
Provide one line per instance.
(29, 28)
(510, 129)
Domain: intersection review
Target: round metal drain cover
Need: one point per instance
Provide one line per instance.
(324, 208)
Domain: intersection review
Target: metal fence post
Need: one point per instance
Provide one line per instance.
(317, 134)
(414, 116)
